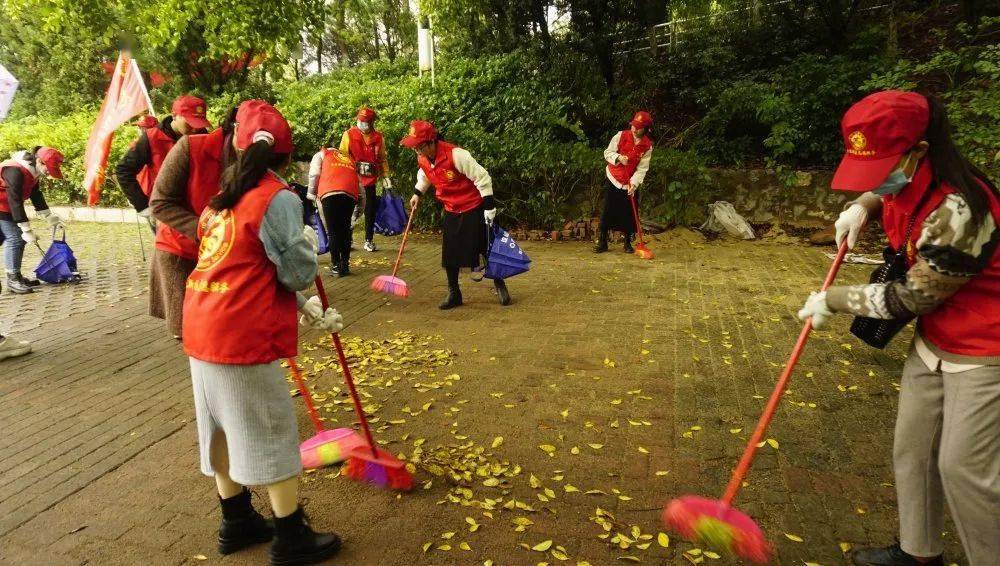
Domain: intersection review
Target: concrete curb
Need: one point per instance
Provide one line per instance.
(93, 214)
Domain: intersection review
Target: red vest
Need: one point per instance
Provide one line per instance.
(235, 310)
(456, 192)
(159, 146)
(204, 171)
(627, 146)
(30, 182)
(337, 175)
(967, 323)
(360, 150)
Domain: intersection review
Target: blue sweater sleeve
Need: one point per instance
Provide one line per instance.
(286, 247)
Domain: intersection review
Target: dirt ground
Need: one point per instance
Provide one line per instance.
(554, 430)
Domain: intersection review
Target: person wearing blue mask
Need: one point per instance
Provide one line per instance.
(940, 214)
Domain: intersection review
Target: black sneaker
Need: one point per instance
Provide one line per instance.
(29, 282)
(344, 270)
(242, 525)
(335, 270)
(628, 245)
(601, 247)
(889, 556)
(15, 285)
(296, 543)
(454, 299)
(502, 293)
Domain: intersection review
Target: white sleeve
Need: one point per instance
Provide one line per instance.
(315, 167)
(468, 166)
(423, 183)
(640, 172)
(611, 153)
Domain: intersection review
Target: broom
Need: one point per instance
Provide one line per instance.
(326, 447)
(366, 463)
(391, 284)
(715, 523)
(641, 249)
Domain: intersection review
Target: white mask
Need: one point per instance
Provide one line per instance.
(364, 126)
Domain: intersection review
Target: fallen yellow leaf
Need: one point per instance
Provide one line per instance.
(792, 537)
(542, 546)
(663, 540)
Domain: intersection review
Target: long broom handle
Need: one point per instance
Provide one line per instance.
(304, 393)
(779, 390)
(348, 378)
(638, 223)
(406, 234)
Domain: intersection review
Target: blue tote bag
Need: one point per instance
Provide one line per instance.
(58, 265)
(506, 258)
(390, 216)
(317, 224)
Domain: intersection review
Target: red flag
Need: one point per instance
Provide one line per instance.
(126, 98)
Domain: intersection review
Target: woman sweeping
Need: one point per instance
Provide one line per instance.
(336, 184)
(239, 322)
(942, 213)
(465, 189)
(628, 156)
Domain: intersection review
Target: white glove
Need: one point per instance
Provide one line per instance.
(311, 196)
(849, 224)
(146, 212)
(313, 316)
(816, 308)
(413, 202)
(26, 234)
(386, 183)
(310, 235)
(490, 215)
(54, 220)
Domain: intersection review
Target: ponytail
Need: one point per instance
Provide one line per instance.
(228, 125)
(951, 167)
(243, 175)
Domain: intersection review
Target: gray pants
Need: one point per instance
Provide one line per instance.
(947, 447)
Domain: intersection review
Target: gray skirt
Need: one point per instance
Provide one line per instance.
(250, 404)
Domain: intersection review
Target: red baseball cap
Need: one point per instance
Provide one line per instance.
(642, 119)
(192, 109)
(420, 131)
(877, 131)
(256, 119)
(366, 114)
(52, 158)
(146, 121)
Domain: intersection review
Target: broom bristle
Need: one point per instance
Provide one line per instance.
(718, 527)
(391, 286)
(385, 471)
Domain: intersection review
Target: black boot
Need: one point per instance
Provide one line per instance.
(29, 282)
(889, 556)
(242, 525)
(602, 243)
(628, 244)
(15, 285)
(296, 543)
(454, 299)
(502, 293)
(344, 269)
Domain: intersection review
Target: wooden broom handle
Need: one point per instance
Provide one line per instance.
(406, 234)
(779, 390)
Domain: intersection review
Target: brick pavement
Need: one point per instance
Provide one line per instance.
(99, 457)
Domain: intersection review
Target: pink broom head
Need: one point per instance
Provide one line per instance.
(329, 447)
(391, 286)
(385, 471)
(643, 252)
(718, 526)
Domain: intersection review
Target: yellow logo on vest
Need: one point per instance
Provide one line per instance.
(859, 144)
(450, 175)
(218, 237)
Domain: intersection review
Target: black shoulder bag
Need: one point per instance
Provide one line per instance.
(878, 332)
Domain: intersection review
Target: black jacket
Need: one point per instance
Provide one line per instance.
(137, 157)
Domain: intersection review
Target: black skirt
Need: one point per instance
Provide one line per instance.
(465, 242)
(617, 213)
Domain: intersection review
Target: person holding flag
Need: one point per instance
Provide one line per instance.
(364, 144)
(465, 189)
(19, 181)
(138, 168)
(628, 155)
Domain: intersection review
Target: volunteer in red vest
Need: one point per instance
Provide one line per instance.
(336, 184)
(364, 144)
(239, 325)
(187, 180)
(465, 189)
(901, 156)
(139, 167)
(19, 181)
(628, 157)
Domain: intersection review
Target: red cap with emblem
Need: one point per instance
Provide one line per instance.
(642, 119)
(877, 131)
(366, 114)
(257, 120)
(420, 131)
(192, 109)
(52, 158)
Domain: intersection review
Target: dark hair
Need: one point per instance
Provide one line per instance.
(245, 173)
(951, 167)
(227, 125)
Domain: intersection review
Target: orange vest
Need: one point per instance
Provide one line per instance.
(159, 146)
(967, 323)
(456, 192)
(627, 146)
(360, 150)
(30, 182)
(337, 175)
(235, 310)
(204, 171)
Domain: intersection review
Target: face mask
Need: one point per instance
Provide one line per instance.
(895, 181)
(364, 126)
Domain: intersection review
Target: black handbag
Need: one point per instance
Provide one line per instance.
(878, 332)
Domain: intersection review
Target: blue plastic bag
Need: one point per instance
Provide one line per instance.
(506, 258)
(390, 216)
(58, 265)
(317, 224)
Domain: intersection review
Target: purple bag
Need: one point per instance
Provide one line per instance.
(506, 258)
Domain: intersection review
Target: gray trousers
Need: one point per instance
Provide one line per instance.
(947, 447)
